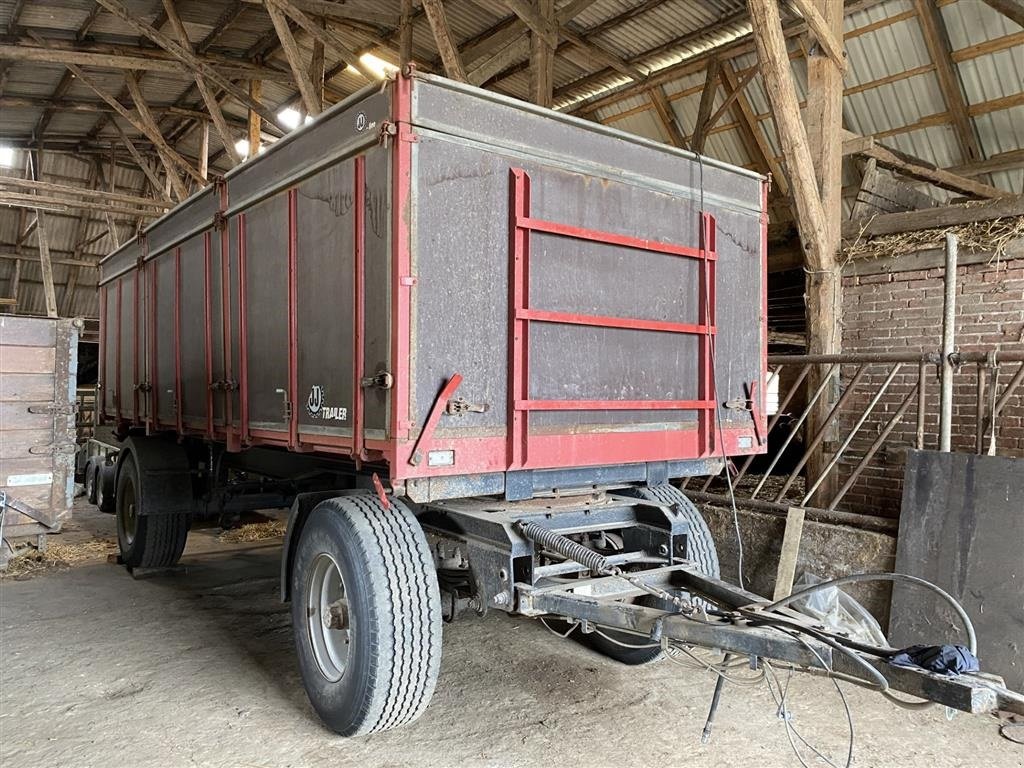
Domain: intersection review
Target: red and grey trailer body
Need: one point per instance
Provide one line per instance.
(479, 293)
(468, 341)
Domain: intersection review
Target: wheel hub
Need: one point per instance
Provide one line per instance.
(328, 618)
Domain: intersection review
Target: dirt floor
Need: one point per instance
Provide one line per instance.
(196, 668)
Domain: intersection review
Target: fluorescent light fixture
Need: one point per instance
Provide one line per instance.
(6, 156)
(290, 117)
(242, 147)
(377, 65)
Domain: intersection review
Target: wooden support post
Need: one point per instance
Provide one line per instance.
(542, 57)
(707, 103)
(405, 34)
(786, 571)
(255, 126)
(824, 121)
(45, 265)
(753, 137)
(446, 47)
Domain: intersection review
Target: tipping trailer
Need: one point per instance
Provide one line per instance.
(469, 342)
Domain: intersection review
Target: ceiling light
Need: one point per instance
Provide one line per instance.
(242, 148)
(290, 118)
(377, 65)
(7, 156)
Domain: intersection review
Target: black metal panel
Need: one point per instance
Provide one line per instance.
(234, 332)
(215, 311)
(185, 221)
(340, 132)
(126, 373)
(194, 382)
(164, 353)
(325, 230)
(110, 333)
(266, 291)
(962, 528)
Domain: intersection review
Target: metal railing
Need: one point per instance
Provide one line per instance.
(868, 419)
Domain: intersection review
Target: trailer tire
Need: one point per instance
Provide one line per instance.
(105, 475)
(701, 549)
(377, 668)
(90, 480)
(147, 538)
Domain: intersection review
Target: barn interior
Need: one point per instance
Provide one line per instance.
(891, 137)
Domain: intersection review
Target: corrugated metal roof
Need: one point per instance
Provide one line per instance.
(892, 86)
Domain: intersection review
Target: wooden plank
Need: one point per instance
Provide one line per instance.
(405, 33)
(26, 360)
(27, 332)
(35, 387)
(786, 570)
(18, 444)
(446, 46)
(326, 37)
(932, 218)
(43, 186)
(914, 168)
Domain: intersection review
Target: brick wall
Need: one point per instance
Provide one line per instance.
(889, 308)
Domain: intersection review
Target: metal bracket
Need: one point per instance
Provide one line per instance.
(749, 402)
(57, 410)
(286, 402)
(380, 380)
(459, 406)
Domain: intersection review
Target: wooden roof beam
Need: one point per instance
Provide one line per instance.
(310, 100)
(667, 117)
(323, 35)
(446, 47)
(819, 27)
(707, 102)
(1011, 9)
(937, 41)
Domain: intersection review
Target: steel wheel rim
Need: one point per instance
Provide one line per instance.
(127, 513)
(327, 617)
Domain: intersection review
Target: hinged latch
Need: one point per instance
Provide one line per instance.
(459, 406)
(379, 380)
(65, 409)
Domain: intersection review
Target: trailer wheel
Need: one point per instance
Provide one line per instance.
(366, 610)
(147, 538)
(701, 549)
(90, 481)
(105, 488)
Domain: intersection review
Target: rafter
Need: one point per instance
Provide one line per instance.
(829, 41)
(188, 58)
(1011, 9)
(940, 51)
(446, 47)
(212, 105)
(707, 103)
(321, 34)
(168, 156)
(310, 101)
(667, 117)
(753, 137)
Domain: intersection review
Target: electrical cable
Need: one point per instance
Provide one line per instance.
(555, 631)
(714, 384)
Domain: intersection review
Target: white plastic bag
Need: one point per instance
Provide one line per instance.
(837, 611)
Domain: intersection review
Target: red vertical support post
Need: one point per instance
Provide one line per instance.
(243, 337)
(208, 325)
(706, 309)
(117, 347)
(136, 362)
(225, 307)
(101, 372)
(402, 279)
(358, 307)
(178, 404)
(154, 391)
(293, 315)
(519, 300)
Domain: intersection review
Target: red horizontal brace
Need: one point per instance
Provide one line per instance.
(604, 321)
(610, 238)
(615, 405)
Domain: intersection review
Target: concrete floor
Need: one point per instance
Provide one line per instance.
(196, 668)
